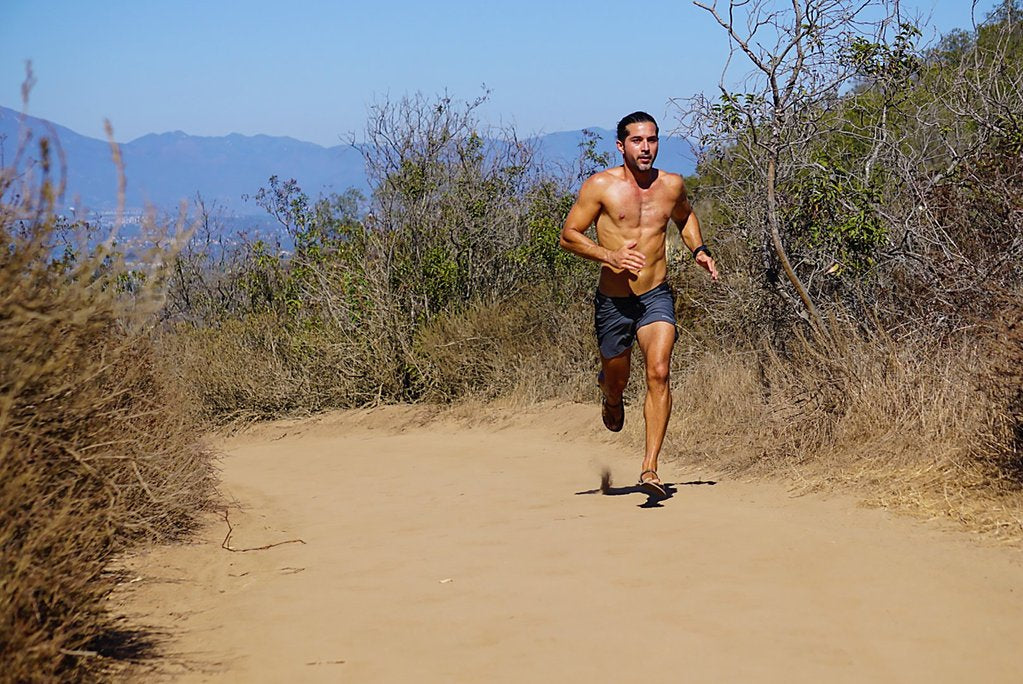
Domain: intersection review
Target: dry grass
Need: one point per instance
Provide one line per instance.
(98, 450)
(906, 424)
(257, 367)
(525, 347)
(250, 369)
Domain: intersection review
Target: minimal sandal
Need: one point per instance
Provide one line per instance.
(612, 414)
(653, 486)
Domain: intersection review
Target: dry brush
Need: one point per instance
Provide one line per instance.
(99, 448)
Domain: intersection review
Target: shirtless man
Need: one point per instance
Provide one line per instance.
(631, 205)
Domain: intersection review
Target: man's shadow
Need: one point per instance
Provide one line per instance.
(652, 500)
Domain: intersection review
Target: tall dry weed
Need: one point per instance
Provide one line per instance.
(98, 448)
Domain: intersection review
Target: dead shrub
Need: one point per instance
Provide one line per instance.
(98, 446)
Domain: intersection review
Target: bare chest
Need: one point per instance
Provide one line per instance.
(631, 207)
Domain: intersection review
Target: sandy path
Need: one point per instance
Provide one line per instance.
(444, 553)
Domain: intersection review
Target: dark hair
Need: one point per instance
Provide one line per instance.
(635, 117)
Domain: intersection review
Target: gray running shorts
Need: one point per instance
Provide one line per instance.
(616, 319)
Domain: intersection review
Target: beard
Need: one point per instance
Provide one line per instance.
(644, 164)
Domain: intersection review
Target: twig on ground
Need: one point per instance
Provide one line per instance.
(226, 544)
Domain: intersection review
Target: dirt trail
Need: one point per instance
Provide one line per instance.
(439, 552)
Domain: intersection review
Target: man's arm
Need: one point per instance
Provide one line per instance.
(689, 224)
(582, 215)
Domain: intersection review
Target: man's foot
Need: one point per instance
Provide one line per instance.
(652, 485)
(613, 415)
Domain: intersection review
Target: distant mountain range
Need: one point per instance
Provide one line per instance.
(165, 169)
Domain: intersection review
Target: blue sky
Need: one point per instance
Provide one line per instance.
(309, 69)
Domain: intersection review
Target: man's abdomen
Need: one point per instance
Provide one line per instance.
(625, 283)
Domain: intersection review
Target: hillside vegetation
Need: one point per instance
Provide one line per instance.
(864, 201)
(866, 218)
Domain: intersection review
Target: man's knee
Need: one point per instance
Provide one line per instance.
(658, 373)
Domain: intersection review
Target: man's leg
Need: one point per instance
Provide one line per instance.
(614, 331)
(614, 376)
(656, 340)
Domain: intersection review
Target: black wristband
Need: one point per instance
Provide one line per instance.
(701, 248)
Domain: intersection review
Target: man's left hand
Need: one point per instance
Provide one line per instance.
(705, 260)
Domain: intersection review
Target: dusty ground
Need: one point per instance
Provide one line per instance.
(442, 551)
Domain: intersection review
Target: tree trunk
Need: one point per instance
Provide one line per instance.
(779, 249)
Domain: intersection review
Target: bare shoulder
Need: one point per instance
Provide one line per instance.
(605, 178)
(673, 183)
(598, 183)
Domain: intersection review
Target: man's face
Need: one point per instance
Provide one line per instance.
(639, 149)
